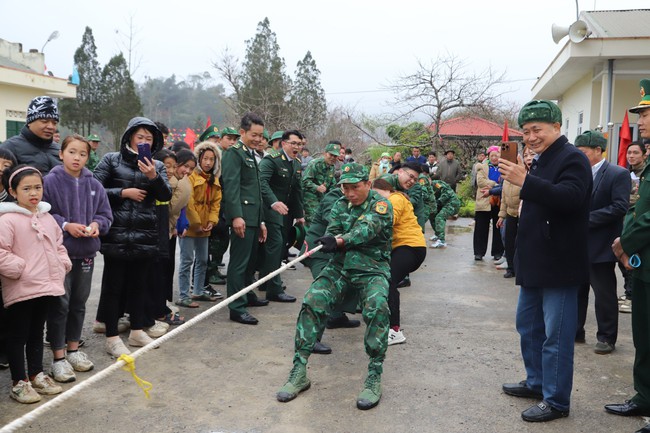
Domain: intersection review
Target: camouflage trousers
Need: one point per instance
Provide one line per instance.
(439, 220)
(326, 292)
(310, 207)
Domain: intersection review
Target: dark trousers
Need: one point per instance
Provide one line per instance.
(482, 232)
(156, 296)
(124, 277)
(641, 338)
(25, 336)
(274, 251)
(241, 267)
(403, 260)
(603, 280)
(627, 280)
(169, 265)
(512, 225)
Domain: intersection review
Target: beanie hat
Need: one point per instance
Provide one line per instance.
(42, 107)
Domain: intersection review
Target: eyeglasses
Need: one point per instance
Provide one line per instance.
(409, 174)
(294, 143)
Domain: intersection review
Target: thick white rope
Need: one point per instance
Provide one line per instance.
(61, 398)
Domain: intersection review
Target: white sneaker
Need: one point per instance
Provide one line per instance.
(139, 340)
(438, 244)
(503, 265)
(23, 392)
(123, 325)
(62, 371)
(157, 330)
(433, 238)
(500, 261)
(116, 348)
(43, 384)
(625, 306)
(99, 327)
(79, 361)
(395, 337)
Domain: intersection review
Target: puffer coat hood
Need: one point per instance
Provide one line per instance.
(198, 152)
(142, 122)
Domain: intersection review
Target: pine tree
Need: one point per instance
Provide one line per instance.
(82, 113)
(307, 101)
(120, 102)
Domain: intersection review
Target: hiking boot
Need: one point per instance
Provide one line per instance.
(62, 372)
(79, 361)
(371, 393)
(43, 384)
(297, 383)
(23, 392)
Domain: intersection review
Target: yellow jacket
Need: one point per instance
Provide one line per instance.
(406, 230)
(203, 206)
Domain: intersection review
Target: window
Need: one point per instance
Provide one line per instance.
(580, 118)
(14, 127)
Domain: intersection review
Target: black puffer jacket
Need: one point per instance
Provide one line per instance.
(134, 233)
(28, 148)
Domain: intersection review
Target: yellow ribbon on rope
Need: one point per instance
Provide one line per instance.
(130, 367)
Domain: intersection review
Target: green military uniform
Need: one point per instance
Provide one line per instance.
(241, 198)
(364, 267)
(279, 181)
(93, 158)
(448, 205)
(317, 173)
(428, 197)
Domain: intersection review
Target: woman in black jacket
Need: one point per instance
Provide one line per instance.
(129, 248)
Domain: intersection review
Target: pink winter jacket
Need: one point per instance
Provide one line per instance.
(33, 260)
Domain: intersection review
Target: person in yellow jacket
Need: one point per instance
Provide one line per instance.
(202, 214)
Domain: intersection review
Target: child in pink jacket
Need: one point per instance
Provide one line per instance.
(33, 264)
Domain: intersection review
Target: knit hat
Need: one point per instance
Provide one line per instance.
(353, 173)
(540, 111)
(645, 97)
(42, 107)
(592, 139)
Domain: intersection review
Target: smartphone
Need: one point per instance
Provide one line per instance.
(144, 151)
(509, 150)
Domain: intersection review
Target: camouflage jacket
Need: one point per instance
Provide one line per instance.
(318, 172)
(444, 194)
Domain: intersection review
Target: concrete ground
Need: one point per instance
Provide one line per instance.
(458, 318)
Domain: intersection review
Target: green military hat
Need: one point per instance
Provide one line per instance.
(540, 111)
(277, 135)
(591, 139)
(266, 135)
(333, 148)
(645, 97)
(229, 131)
(211, 131)
(93, 137)
(297, 235)
(353, 173)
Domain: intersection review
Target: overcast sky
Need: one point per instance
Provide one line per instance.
(359, 45)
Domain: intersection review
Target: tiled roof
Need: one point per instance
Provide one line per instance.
(474, 127)
(618, 24)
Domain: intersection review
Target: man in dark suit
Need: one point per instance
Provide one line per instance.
(609, 202)
(551, 258)
(280, 174)
(242, 202)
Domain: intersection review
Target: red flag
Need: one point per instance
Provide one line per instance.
(505, 136)
(209, 122)
(624, 141)
(190, 137)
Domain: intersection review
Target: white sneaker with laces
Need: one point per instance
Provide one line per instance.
(79, 361)
(157, 330)
(116, 348)
(625, 306)
(433, 238)
(62, 371)
(395, 337)
(503, 265)
(500, 261)
(43, 384)
(23, 392)
(438, 244)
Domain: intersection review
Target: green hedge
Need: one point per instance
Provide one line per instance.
(467, 196)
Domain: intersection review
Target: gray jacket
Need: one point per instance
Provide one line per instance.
(30, 149)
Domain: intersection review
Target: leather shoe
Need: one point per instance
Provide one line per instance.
(521, 389)
(258, 303)
(509, 274)
(244, 318)
(542, 412)
(477, 258)
(342, 322)
(626, 409)
(281, 297)
(645, 429)
(321, 349)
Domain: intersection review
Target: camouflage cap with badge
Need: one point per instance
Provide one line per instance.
(539, 111)
(645, 97)
(211, 131)
(229, 131)
(333, 149)
(353, 173)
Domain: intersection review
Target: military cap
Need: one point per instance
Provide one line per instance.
(591, 139)
(540, 111)
(228, 130)
(333, 148)
(266, 135)
(277, 135)
(211, 131)
(645, 97)
(297, 235)
(93, 137)
(353, 173)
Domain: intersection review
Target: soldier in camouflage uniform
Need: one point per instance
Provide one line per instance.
(93, 158)
(428, 198)
(317, 179)
(360, 232)
(448, 205)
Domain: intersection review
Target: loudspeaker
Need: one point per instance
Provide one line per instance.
(577, 32)
(558, 32)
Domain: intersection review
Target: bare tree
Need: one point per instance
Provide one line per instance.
(442, 86)
(129, 45)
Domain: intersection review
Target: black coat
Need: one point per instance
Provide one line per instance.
(30, 149)
(610, 200)
(134, 233)
(552, 235)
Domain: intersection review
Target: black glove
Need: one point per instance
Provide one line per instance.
(328, 243)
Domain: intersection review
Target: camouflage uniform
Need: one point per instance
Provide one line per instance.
(428, 197)
(416, 196)
(363, 267)
(448, 205)
(93, 160)
(317, 173)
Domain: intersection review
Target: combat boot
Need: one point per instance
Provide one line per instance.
(371, 393)
(297, 383)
